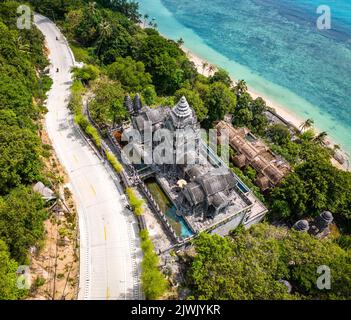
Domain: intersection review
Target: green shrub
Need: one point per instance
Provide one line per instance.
(39, 281)
(88, 129)
(86, 73)
(94, 134)
(114, 162)
(135, 202)
(75, 103)
(344, 241)
(46, 83)
(77, 87)
(81, 54)
(81, 121)
(153, 281)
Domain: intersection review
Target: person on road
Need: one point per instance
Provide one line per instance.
(57, 69)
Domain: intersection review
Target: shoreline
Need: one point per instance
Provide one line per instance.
(295, 120)
(282, 111)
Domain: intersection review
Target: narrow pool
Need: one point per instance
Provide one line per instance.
(178, 223)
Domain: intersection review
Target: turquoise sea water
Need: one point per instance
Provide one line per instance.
(276, 47)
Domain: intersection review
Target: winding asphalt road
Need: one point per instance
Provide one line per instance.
(109, 244)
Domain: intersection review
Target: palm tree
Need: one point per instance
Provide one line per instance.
(336, 148)
(92, 8)
(320, 138)
(146, 18)
(307, 124)
(204, 66)
(211, 68)
(241, 87)
(105, 31)
(153, 24)
(23, 47)
(180, 42)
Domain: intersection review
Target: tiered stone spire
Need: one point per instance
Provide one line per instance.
(128, 104)
(182, 109)
(137, 103)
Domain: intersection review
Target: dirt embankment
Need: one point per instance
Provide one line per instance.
(55, 265)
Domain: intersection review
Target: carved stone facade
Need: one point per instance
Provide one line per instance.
(209, 189)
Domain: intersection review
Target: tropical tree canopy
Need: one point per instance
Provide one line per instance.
(253, 264)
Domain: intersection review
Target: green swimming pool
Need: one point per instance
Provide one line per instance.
(178, 223)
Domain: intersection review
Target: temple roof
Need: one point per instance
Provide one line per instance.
(327, 216)
(147, 114)
(182, 116)
(194, 172)
(215, 182)
(182, 108)
(194, 193)
(218, 200)
(301, 225)
(210, 188)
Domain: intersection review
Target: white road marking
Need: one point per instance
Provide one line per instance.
(104, 262)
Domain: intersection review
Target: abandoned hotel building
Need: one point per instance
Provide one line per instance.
(270, 168)
(201, 192)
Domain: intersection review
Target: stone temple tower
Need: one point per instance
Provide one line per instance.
(323, 221)
(182, 116)
(137, 104)
(128, 104)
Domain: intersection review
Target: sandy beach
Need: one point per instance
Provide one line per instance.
(207, 69)
(283, 112)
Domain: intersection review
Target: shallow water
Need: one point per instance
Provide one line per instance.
(276, 47)
(166, 206)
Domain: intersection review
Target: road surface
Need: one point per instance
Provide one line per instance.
(109, 244)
